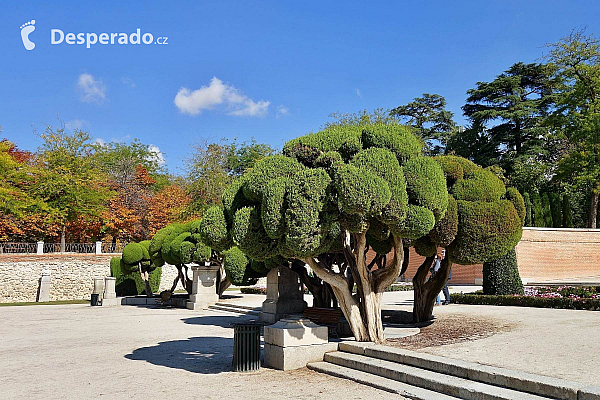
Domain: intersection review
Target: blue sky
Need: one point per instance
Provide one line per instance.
(268, 70)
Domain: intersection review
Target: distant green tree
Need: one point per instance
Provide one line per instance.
(69, 180)
(547, 210)
(567, 215)
(528, 210)
(556, 210)
(432, 122)
(538, 210)
(213, 166)
(577, 59)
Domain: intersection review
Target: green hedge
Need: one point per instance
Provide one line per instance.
(501, 276)
(527, 301)
(132, 284)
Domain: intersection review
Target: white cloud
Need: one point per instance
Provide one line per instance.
(282, 111)
(158, 156)
(358, 93)
(76, 124)
(218, 93)
(128, 82)
(91, 90)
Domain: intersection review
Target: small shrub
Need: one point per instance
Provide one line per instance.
(132, 284)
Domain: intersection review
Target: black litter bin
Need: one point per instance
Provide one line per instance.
(246, 347)
(95, 299)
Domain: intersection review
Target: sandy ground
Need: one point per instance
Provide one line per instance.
(128, 352)
(559, 343)
(77, 351)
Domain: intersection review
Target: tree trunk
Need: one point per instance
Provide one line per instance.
(594, 207)
(222, 282)
(321, 291)
(63, 238)
(145, 277)
(363, 310)
(425, 292)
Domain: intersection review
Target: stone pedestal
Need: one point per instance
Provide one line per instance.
(39, 248)
(98, 286)
(292, 343)
(204, 287)
(44, 292)
(109, 296)
(284, 295)
(98, 247)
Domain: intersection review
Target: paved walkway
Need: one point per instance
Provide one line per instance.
(77, 351)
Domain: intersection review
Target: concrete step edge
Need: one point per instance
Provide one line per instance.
(502, 377)
(376, 381)
(435, 381)
(238, 306)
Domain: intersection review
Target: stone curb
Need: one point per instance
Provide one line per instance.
(516, 380)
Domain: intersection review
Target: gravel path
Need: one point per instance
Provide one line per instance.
(128, 352)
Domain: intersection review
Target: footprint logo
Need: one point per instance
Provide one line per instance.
(26, 29)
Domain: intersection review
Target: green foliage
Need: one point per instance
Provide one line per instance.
(360, 191)
(213, 229)
(547, 210)
(419, 221)
(397, 138)
(202, 253)
(567, 214)
(479, 185)
(266, 170)
(528, 210)
(249, 235)
(527, 301)
(342, 139)
(445, 230)
(238, 268)
(133, 253)
(486, 231)
(515, 197)
(556, 210)
(429, 117)
(501, 276)
(538, 210)
(306, 232)
(132, 284)
(425, 247)
(426, 185)
(233, 198)
(272, 208)
(452, 167)
(380, 246)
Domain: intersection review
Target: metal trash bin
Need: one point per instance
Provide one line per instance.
(95, 301)
(246, 347)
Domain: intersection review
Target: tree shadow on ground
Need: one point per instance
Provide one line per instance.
(401, 317)
(225, 296)
(203, 355)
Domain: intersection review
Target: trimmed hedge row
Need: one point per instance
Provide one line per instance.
(527, 301)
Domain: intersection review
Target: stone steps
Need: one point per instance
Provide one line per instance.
(379, 382)
(409, 373)
(234, 309)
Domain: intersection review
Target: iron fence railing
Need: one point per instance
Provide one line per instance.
(70, 247)
(113, 247)
(83, 248)
(18, 248)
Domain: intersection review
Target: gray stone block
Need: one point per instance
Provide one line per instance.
(294, 357)
(589, 393)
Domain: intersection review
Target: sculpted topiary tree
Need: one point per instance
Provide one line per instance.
(136, 258)
(184, 244)
(483, 223)
(337, 193)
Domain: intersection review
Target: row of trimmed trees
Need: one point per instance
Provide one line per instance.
(336, 194)
(548, 210)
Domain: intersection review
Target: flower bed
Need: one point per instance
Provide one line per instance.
(568, 297)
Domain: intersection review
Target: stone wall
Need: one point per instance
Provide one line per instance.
(71, 276)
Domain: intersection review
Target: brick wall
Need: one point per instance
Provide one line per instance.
(559, 255)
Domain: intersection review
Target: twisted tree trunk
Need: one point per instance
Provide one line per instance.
(425, 292)
(363, 309)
